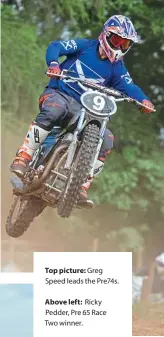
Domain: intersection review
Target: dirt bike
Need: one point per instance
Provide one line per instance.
(65, 160)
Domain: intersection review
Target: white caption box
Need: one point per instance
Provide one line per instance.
(78, 293)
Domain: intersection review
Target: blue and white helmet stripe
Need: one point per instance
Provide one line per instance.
(123, 25)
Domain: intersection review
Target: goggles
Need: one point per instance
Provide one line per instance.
(117, 42)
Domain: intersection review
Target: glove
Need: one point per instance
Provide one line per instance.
(148, 106)
(53, 69)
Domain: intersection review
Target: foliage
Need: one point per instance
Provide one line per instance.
(23, 64)
(127, 238)
(133, 176)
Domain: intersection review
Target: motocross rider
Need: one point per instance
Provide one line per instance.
(101, 60)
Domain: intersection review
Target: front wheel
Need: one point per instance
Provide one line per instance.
(22, 213)
(81, 171)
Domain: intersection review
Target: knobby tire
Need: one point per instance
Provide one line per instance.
(28, 210)
(79, 176)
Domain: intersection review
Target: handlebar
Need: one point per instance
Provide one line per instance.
(91, 84)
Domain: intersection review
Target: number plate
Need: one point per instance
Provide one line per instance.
(99, 104)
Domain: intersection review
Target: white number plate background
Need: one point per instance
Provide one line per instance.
(97, 103)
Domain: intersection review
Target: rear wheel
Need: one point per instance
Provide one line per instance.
(22, 213)
(80, 173)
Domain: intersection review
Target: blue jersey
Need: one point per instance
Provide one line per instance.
(82, 56)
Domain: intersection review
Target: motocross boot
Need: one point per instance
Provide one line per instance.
(35, 136)
(20, 164)
(83, 201)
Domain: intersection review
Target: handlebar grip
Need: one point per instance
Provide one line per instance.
(142, 105)
(55, 75)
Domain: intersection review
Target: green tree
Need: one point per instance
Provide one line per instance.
(23, 65)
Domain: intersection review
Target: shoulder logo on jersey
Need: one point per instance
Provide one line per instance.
(69, 44)
(127, 78)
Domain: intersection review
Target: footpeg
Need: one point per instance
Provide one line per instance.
(17, 184)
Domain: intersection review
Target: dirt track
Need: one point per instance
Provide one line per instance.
(148, 320)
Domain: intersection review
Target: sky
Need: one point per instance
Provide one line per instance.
(16, 310)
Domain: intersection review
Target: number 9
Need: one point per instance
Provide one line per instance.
(99, 102)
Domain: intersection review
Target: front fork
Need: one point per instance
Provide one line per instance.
(101, 135)
(73, 146)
